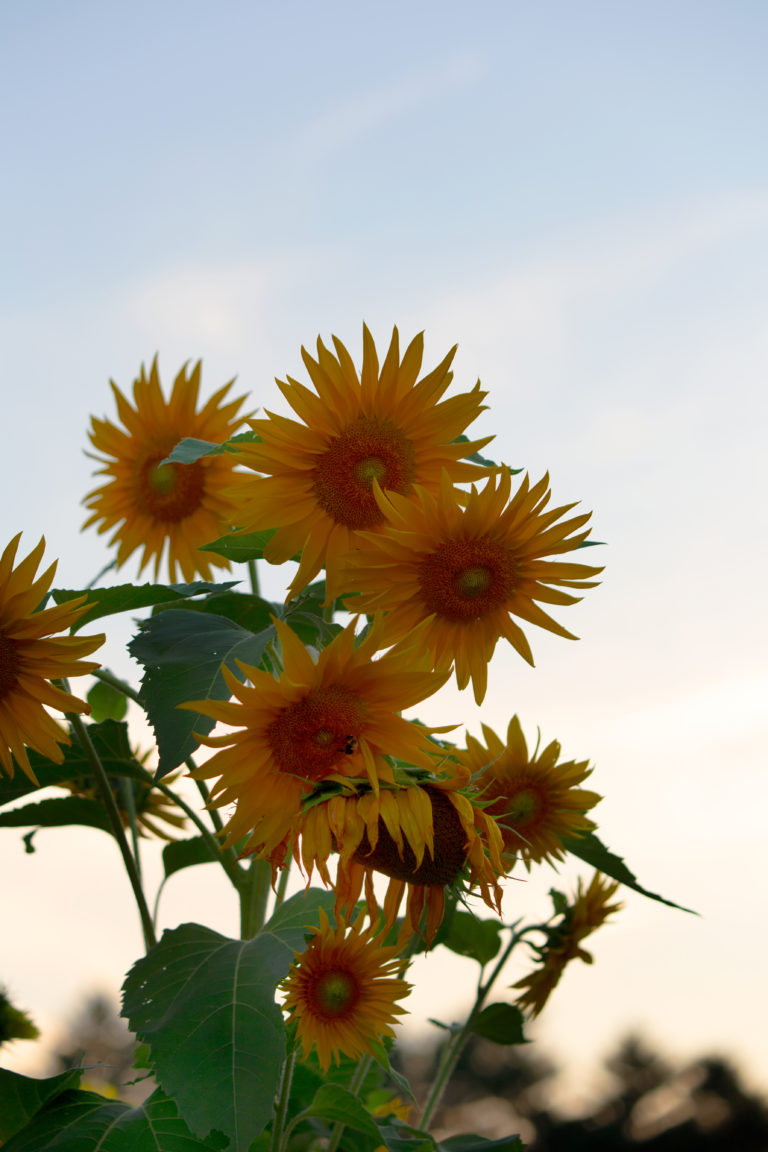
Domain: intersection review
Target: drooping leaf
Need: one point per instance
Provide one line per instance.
(592, 851)
(57, 812)
(106, 702)
(185, 854)
(182, 653)
(468, 935)
(468, 1142)
(21, 1097)
(87, 1122)
(206, 1006)
(501, 1023)
(132, 597)
(240, 547)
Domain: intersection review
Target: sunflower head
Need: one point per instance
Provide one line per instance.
(469, 565)
(380, 426)
(342, 992)
(584, 915)
(14, 1024)
(149, 504)
(31, 656)
(535, 799)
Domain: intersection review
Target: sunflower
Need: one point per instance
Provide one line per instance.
(316, 486)
(424, 837)
(333, 719)
(14, 1024)
(468, 565)
(342, 991)
(535, 799)
(588, 911)
(31, 656)
(149, 503)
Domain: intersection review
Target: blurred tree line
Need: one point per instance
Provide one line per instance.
(650, 1106)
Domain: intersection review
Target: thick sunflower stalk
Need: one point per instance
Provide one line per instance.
(378, 493)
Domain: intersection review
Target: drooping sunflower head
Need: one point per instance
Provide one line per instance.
(150, 504)
(381, 426)
(342, 992)
(469, 565)
(535, 799)
(588, 910)
(336, 718)
(31, 656)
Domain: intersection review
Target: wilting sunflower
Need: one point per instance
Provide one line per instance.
(332, 719)
(150, 504)
(342, 992)
(535, 799)
(588, 911)
(316, 486)
(468, 565)
(31, 656)
(425, 837)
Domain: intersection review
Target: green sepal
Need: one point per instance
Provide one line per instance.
(182, 653)
(592, 851)
(502, 1023)
(132, 597)
(22, 1097)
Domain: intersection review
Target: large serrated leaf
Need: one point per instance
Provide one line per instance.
(21, 1097)
(592, 851)
(241, 547)
(206, 1006)
(57, 812)
(183, 653)
(132, 597)
(86, 1122)
(245, 609)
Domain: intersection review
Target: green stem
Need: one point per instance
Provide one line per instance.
(449, 1057)
(355, 1085)
(254, 893)
(254, 575)
(117, 827)
(328, 611)
(282, 883)
(227, 857)
(126, 788)
(281, 1104)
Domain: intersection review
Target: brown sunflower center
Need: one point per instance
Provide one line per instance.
(9, 664)
(368, 449)
(465, 579)
(169, 492)
(450, 849)
(309, 737)
(333, 993)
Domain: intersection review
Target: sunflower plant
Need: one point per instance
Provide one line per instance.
(281, 747)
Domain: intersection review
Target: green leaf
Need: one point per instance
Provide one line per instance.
(106, 702)
(110, 739)
(468, 1142)
(183, 653)
(86, 1122)
(130, 597)
(21, 1097)
(206, 1005)
(189, 449)
(185, 854)
(239, 548)
(243, 608)
(57, 812)
(338, 1105)
(592, 851)
(467, 935)
(501, 1023)
(396, 1137)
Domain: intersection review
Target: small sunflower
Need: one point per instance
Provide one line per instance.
(150, 504)
(316, 486)
(342, 991)
(584, 916)
(425, 837)
(468, 565)
(31, 656)
(535, 800)
(332, 719)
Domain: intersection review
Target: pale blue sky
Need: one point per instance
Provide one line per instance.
(577, 194)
